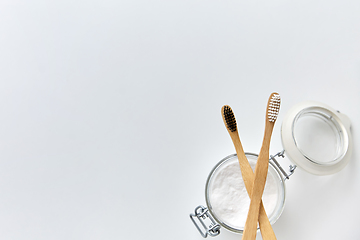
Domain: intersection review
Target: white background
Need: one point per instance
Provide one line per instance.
(110, 111)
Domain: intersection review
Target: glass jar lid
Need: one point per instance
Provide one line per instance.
(317, 138)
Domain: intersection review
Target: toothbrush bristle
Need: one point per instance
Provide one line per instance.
(229, 118)
(274, 107)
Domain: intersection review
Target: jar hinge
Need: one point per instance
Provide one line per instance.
(291, 167)
(202, 213)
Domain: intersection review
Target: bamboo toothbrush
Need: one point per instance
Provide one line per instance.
(246, 171)
(261, 169)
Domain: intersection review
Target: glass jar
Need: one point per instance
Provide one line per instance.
(314, 136)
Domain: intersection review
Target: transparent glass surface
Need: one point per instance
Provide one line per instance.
(318, 136)
(227, 198)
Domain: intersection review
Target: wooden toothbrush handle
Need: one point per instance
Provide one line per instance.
(248, 176)
(266, 229)
(261, 170)
(253, 214)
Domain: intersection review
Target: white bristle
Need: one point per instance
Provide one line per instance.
(274, 107)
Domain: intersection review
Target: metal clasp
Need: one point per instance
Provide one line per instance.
(201, 214)
(291, 167)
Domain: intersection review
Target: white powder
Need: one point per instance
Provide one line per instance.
(228, 196)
